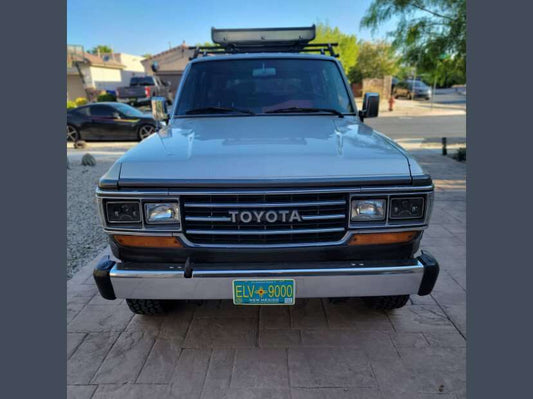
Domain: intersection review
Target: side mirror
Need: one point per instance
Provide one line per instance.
(370, 106)
(159, 109)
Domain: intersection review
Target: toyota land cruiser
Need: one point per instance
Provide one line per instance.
(265, 186)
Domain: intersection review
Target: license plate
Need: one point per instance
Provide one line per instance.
(264, 292)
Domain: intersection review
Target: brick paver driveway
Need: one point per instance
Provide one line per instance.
(315, 349)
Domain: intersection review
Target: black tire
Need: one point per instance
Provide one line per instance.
(73, 134)
(149, 307)
(386, 302)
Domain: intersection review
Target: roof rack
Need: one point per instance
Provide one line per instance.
(263, 40)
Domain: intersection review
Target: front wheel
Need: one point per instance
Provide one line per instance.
(386, 302)
(145, 131)
(149, 307)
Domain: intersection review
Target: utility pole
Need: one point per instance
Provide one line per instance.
(433, 92)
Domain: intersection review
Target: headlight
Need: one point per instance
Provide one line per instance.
(407, 208)
(368, 209)
(167, 213)
(123, 212)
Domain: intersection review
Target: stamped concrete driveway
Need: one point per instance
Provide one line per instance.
(315, 349)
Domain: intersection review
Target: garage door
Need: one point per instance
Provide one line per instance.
(173, 77)
(74, 87)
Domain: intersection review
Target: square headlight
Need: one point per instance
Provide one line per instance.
(123, 212)
(162, 213)
(407, 208)
(363, 210)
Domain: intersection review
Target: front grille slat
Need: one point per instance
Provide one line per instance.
(207, 218)
(261, 205)
(265, 232)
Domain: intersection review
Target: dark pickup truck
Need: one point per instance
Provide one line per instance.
(142, 89)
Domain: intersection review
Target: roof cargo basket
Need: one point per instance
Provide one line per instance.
(264, 40)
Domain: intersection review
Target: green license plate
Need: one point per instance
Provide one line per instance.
(263, 292)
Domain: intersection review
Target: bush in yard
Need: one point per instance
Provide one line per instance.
(106, 97)
(88, 160)
(80, 101)
(71, 104)
(460, 155)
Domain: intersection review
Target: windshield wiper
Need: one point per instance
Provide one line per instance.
(216, 110)
(303, 109)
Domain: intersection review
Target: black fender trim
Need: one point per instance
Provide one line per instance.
(431, 272)
(102, 279)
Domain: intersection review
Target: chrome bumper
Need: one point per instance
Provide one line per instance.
(319, 280)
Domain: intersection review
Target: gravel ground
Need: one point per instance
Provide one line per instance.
(85, 238)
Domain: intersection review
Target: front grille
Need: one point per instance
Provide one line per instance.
(208, 219)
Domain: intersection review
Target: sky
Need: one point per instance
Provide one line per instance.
(149, 27)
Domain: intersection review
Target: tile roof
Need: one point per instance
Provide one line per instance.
(95, 60)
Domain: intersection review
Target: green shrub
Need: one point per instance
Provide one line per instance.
(71, 104)
(460, 155)
(80, 101)
(106, 97)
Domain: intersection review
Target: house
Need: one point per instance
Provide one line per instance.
(171, 63)
(88, 74)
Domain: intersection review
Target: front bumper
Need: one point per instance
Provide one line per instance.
(312, 279)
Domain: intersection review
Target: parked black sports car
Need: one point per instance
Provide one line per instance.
(108, 121)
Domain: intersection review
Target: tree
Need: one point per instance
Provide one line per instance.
(147, 55)
(347, 48)
(375, 60)
(428, 32)
(101, 48)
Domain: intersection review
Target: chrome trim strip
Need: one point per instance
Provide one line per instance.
(208, 218)
(264, 232)
(228, 219)
(234, 273)
(303, 190)
(320, 282)
(260, 204)
(322, 217)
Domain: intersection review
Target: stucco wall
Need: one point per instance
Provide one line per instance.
(132, 63)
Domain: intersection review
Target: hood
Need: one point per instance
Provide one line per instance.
(297, 149)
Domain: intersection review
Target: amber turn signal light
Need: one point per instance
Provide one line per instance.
(382, 238)
(148, 241)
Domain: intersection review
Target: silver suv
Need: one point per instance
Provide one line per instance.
(265, 186)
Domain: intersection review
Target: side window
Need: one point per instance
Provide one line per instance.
(102, 111)
(83, 111)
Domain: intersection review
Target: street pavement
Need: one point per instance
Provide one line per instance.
(407, 127)
(314, 349)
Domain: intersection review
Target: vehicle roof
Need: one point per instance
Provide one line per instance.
(252, 56)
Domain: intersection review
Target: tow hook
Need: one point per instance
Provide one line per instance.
(188, 268)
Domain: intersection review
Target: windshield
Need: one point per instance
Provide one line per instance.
(142, 81)
(128, 110)
(264, 85)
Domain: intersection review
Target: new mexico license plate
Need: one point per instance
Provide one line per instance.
(263, 292)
